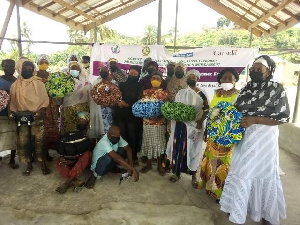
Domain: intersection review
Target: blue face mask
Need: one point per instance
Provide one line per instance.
(74, 73)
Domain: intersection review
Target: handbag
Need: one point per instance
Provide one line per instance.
(24, 117)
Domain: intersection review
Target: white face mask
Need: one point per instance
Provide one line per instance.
(227, 86)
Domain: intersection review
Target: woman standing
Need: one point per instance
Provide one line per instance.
(216, 159)
(154, 129)
(253, 186)
(123, 117)
(8, 138)
(77, 101)
(29, 94)
(185, 142)
(52, 111)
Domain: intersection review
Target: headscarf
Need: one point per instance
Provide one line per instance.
(82, 75)
(176, 84)
(71, 56)
(41, 57)
(195, 72)
(27, 94)
(83, 115)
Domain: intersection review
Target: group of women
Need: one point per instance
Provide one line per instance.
(242, 178)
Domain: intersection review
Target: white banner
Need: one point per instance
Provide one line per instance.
(208, 61)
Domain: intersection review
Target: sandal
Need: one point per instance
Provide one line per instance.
(46, 171)
(161, 171)
(91, 182)
(63, 188)
(27, 171)
(174, 178)
(13, 165)
(195, 184)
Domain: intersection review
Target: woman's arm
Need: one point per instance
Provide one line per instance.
(249, 120)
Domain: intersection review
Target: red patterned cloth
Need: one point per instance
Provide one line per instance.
(75, 171)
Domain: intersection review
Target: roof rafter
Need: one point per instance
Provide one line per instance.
(24, 2)
(272, 11)
(265, 11)
(90, 9)
(64, 9)
(250, 13)
(45, 6)
(108, 10)
(278, 7)
(121, 12)
(76, 10)
(47, 13)
(220, 8)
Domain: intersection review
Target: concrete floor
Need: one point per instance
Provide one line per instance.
(151, 201)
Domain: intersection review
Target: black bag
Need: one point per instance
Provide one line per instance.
(23, 117)
(73, 144)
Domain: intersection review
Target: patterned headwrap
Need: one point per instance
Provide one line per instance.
(41, 57)
(83, 115)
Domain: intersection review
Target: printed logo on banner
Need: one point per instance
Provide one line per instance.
(184, 55)
(146, 50)
(115, 49)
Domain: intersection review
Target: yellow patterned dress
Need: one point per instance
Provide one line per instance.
(216, 159)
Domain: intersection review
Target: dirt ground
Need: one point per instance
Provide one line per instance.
(151, 201)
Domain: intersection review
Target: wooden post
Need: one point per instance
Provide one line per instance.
(7, 19)
(296, 109)
(159, 22)
(175, 35)
(250, 45)
(95, 33)
(17, 2)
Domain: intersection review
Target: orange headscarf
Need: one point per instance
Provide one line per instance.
(27, 94)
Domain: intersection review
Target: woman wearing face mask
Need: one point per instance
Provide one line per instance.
(154, 129)
(253, 183)
(29, 94)
(52, 111)
(185, 142)
(123, 117)
(216, 159)
(77, 101)
(177, 82)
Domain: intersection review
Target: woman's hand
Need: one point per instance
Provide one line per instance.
(248, 121)
(122, 104)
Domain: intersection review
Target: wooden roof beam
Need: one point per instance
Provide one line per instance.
(45, 6)
(64, 9)
(284, 9)
(121, 12)
(265, 11)
(47, 13)
(220, 8)
(271, 12)
(108, 10)
(76, 10)
(289, 23)
(90, 9)
(249, 12)
(24, 2)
